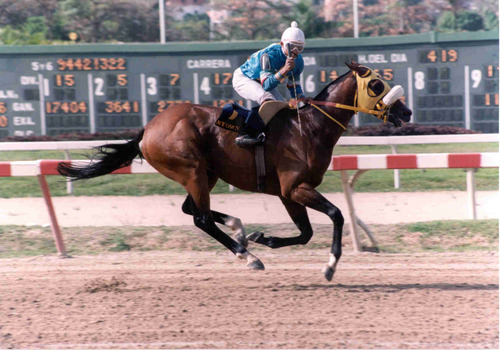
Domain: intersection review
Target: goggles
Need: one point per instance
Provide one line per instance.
(295, 47)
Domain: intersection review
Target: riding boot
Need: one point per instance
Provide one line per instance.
(251, 133)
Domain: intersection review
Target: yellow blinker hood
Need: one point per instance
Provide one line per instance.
(363, 98)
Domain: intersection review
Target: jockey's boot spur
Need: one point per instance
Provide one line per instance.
(245, 140)
(251, 133)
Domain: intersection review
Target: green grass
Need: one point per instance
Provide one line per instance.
(426, 148)
(414, 180)
(19, 241)
(372, 181)
(456, 235)
(442, 236)
(116, 243)
(435, 236)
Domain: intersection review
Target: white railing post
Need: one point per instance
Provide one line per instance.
(54, 225)
(69, 184)
(471, 193)
(356, 243)
(394, 149)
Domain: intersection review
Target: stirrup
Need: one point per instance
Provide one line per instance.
(247, 141)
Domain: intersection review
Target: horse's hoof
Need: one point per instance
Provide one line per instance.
(253, 262)
(370, 249)
(328, 271)
(256, 265)
(254, 236)
(241, 239)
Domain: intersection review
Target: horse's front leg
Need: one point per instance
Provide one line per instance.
(298, 213)
(306, 194)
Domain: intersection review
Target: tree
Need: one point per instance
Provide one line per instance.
(134, 22)
(57, 28)
(193, 27)
(447, 22)
(412, 17)
(460, 21)
(338, 18)
(31, 33)
(390, 17)
(41, 21)
(16, 13)
(490, 20)
(105, 20)
(469, 21)
(257, 20)
(86, 17)
(305, 14)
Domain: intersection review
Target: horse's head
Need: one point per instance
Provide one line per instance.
(375, 94)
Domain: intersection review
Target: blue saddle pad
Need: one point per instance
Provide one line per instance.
(232, 117)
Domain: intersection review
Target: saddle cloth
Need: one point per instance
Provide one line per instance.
(234, 115)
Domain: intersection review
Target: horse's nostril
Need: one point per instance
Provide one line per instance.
(408, 113)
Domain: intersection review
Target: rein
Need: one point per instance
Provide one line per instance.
(379, 114)
(297, 104)
(362, 83)
(328, 115)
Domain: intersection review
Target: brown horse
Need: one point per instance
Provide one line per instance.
(184, 144)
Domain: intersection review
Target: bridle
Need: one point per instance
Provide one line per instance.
(382, 115)
(375, 105)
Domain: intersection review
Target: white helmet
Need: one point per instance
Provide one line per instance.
(293, 35)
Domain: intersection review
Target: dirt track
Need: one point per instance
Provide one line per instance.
(186, 299)
(183, 298)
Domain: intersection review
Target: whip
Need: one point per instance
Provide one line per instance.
(295, 90)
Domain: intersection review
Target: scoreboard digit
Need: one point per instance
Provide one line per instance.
(4, 121)
(65, 107)
(484, 91)
(167, 88)
(214, 79)
(449, 79)
(115, 108)
(440, 100)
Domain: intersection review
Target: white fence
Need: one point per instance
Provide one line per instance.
(392, 141)
(343, 141)
(361, 163)
(339, 163)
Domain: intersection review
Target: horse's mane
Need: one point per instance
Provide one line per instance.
(327, 89)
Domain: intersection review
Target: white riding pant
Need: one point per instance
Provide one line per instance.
(252, 90)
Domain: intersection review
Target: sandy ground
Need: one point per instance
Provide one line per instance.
(378, 208)
(210, 300)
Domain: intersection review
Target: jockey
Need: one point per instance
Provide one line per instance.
(258, 78)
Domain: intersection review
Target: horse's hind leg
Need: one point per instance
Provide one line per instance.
(230, 221)
(298, 213)
(199, 199)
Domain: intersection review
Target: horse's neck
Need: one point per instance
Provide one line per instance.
(321, 126)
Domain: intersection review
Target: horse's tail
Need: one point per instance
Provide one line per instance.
(108, 158)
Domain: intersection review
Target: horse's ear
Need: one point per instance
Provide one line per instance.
(353, 65)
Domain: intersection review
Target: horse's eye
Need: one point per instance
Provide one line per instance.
(375, 87)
